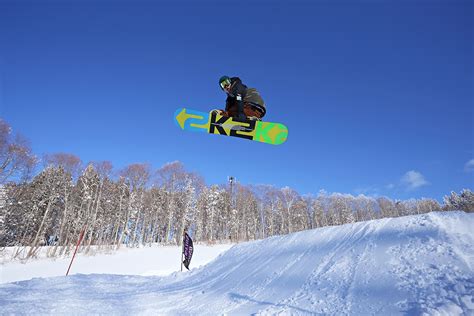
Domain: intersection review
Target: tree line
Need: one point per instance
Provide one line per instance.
(140, 206)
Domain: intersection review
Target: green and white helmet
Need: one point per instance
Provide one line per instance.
(224, 82)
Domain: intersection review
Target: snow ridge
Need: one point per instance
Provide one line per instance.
(410, 265)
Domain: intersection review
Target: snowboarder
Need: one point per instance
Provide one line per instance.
(242, 102)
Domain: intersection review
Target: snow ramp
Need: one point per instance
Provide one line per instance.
(408, 265)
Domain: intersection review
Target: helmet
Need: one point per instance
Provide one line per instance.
(224, 82)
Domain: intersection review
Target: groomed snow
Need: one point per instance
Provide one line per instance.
(411, 265)
(156, 260)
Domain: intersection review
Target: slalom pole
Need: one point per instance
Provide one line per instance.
(77, 246)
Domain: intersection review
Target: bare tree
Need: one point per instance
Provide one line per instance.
(104, 169)
(171, 176)
(69, 162)
(137, 175)
(16, 159)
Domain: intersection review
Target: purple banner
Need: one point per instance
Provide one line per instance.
(187, 250)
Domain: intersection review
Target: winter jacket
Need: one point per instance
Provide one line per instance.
(240, 93)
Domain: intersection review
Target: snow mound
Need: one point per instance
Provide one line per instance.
(413, 265)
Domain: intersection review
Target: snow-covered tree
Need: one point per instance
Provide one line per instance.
(137, 176)
(427, 205)
(289, 198)
(387, 207)
(319, 218)
(188, 209)
(214, 202)
(365, 208)
(42, 206)
(3, 204)
(463, 202)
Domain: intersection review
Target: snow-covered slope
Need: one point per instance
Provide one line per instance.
(156, 260)
(411, 265)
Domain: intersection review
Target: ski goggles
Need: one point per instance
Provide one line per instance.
(225, 84)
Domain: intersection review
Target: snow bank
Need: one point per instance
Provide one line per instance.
(156, 260)
(410, 265)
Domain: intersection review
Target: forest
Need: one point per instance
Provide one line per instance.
(52, 200)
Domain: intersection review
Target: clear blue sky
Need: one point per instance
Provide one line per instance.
(377, 95)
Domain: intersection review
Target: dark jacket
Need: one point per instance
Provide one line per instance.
(240, 93)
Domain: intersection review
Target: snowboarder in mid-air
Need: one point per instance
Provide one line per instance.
(242, 102)
(241, 118)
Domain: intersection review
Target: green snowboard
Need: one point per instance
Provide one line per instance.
(213, 123)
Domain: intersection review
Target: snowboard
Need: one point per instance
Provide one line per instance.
(214, 123)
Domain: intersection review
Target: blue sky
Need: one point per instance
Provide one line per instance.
(377, 95)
